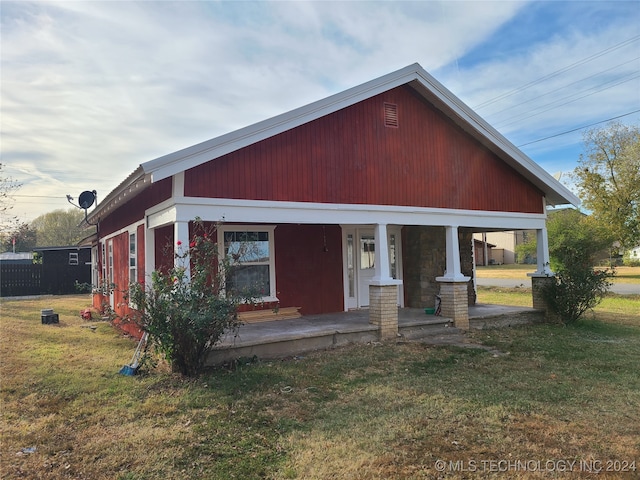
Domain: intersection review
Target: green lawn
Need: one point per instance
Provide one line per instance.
(544, 393)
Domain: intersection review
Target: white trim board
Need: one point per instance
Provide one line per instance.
(260, 211)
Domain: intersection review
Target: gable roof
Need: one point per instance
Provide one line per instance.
(413, 75)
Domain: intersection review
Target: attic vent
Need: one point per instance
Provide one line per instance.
(391, 115)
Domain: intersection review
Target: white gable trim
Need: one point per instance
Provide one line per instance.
(413, 75)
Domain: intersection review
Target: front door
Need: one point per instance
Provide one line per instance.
(359, 263)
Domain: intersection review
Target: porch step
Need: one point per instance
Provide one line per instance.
(426, 328)
(507, 318)
(269, 315)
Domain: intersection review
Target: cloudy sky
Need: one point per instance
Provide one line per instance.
(92, 89)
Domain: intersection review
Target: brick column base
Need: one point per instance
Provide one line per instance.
(455, 303)
(538, 284)
(383, 310)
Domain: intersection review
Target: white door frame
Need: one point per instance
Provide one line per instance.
(351, 235)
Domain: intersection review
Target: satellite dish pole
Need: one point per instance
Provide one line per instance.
(86, 199)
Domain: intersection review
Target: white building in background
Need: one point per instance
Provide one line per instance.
(504, 245)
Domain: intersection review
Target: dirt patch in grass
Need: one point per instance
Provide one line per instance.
(364, 412)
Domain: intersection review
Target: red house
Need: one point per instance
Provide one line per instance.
(367, 198)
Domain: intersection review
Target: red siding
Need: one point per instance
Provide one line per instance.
(307, 276)
(164, 247)
(351, 157)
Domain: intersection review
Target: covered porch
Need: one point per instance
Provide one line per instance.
(289, 337)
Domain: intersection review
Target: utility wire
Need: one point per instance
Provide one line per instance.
(558, 72)
(579, 128)
(565, 101)
(563, 87)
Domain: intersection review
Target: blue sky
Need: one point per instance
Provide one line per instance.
(92, 89)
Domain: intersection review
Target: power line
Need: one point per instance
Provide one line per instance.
(563, 87)
(579, 128)
(39, 196)
(557, 72)
(565, 101)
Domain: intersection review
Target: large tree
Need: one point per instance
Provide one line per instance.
(608, 179)
(61, 228)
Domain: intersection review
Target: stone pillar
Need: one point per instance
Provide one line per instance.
(455, 303)
(383, 309)
(538, 284)
(383, 290)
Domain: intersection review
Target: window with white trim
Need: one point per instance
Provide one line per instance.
(250, 252)
(73, 258)
(103, 263)
(133, 258)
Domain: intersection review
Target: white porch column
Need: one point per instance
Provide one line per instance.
(453, 273)
(381, 255)
(542, 253)
(453, 287)
(181, 243)
(149, 253)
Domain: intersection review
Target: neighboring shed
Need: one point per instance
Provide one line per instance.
(366, 199)
(64, 268)
(18, 258)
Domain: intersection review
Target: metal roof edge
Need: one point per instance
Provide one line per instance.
(137, 181)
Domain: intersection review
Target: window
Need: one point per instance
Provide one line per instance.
(133, 257)
(367, 252)
(103, 262)
(94, 266)
(249, 250)
(73, 258)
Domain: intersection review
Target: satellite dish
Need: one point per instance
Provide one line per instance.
(86, 199)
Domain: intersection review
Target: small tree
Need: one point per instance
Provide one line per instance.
(186, 311)
(24, 237)
(574, 242)
(8, 186)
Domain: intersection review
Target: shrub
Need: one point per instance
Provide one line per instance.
(186, 311)
(577, 289)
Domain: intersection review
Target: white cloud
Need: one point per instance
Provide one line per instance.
(92, 89)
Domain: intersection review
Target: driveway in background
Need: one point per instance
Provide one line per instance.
(620, 288)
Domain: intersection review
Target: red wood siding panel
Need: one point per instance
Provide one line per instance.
(307, 276)
(164, 247)
(120, 270)
(133, 210)
(351, 157)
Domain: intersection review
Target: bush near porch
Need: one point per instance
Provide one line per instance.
(543, 392)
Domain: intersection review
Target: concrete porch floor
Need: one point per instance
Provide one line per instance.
(282, 338)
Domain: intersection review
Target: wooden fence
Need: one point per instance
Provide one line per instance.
(18, 280)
